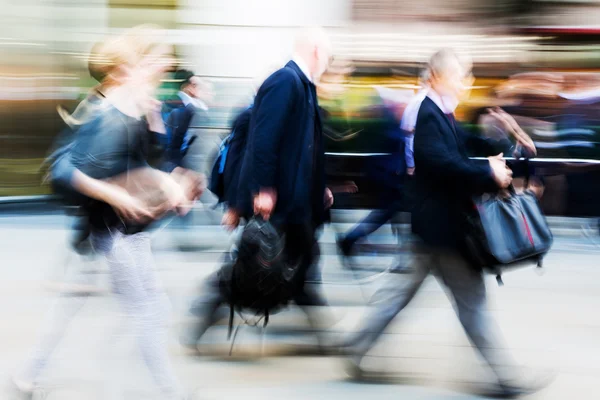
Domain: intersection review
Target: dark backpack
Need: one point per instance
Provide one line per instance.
(259, 278)
(229, 157)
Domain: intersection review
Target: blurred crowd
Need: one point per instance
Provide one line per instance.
(123, 164)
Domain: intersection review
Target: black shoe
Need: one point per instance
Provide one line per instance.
(344, 247)
(402, 269)
(506, 390)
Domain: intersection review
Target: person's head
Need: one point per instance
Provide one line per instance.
(204, 90)
(136, 55)
(450, 75)
(314, 47)
(135, 61)
(185, 79)
(194, 86)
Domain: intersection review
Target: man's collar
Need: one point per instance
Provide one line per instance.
(303, 67)
(435, 97)
(187, 99)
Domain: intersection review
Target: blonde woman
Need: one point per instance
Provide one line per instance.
(107, 167)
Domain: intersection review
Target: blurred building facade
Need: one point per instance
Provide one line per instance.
(44, 46)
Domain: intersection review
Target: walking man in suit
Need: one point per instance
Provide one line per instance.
(282, 177)
(445, 182)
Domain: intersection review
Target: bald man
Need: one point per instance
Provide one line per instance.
(282, 177)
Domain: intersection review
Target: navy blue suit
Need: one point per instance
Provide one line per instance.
(285, 150)
(446, 179)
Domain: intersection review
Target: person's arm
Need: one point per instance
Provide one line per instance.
(70, 176)
(435, 157)
(125, 205)
(278, 95)
(409, 141)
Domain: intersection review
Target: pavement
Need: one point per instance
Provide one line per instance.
(549, 320)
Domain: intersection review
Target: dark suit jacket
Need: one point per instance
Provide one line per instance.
(446, 179)
(178, 123)
(285, 149)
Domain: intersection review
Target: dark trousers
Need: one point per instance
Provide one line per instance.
(300, 246)
(391, 204)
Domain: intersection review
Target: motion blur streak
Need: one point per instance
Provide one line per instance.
(536, 59)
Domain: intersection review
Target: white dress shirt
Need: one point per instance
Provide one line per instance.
(409, 118)
(187, 99)
(408, 123)
(437, 99)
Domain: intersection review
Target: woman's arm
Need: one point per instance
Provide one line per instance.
(124, 204)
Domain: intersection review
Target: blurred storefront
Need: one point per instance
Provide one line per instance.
(235, 43)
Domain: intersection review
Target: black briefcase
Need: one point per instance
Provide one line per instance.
(507, 231)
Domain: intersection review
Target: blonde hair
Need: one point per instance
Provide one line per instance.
(106, 57)
(127, 49)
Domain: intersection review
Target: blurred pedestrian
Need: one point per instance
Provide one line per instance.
(387, 172)
(445, 181)
(107, 166)
(282, 178)
(191, 105)
(409, 120)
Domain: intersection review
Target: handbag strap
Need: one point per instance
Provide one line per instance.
(527, 172)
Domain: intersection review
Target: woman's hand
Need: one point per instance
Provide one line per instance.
(192, 182)
(127, 206)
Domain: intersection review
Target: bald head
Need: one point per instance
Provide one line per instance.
(313, 46)
(448, 72)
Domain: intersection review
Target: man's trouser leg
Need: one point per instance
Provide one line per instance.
(302, 246)
(375, 220)
(203, 310)
(467, 288)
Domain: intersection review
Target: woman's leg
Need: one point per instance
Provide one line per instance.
(56, 322)
(137, 286)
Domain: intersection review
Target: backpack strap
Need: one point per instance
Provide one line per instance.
(232, 300)
(224, 150)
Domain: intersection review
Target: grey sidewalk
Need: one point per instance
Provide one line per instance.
(549, 321)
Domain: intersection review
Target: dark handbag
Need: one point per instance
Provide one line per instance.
(507, 232)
